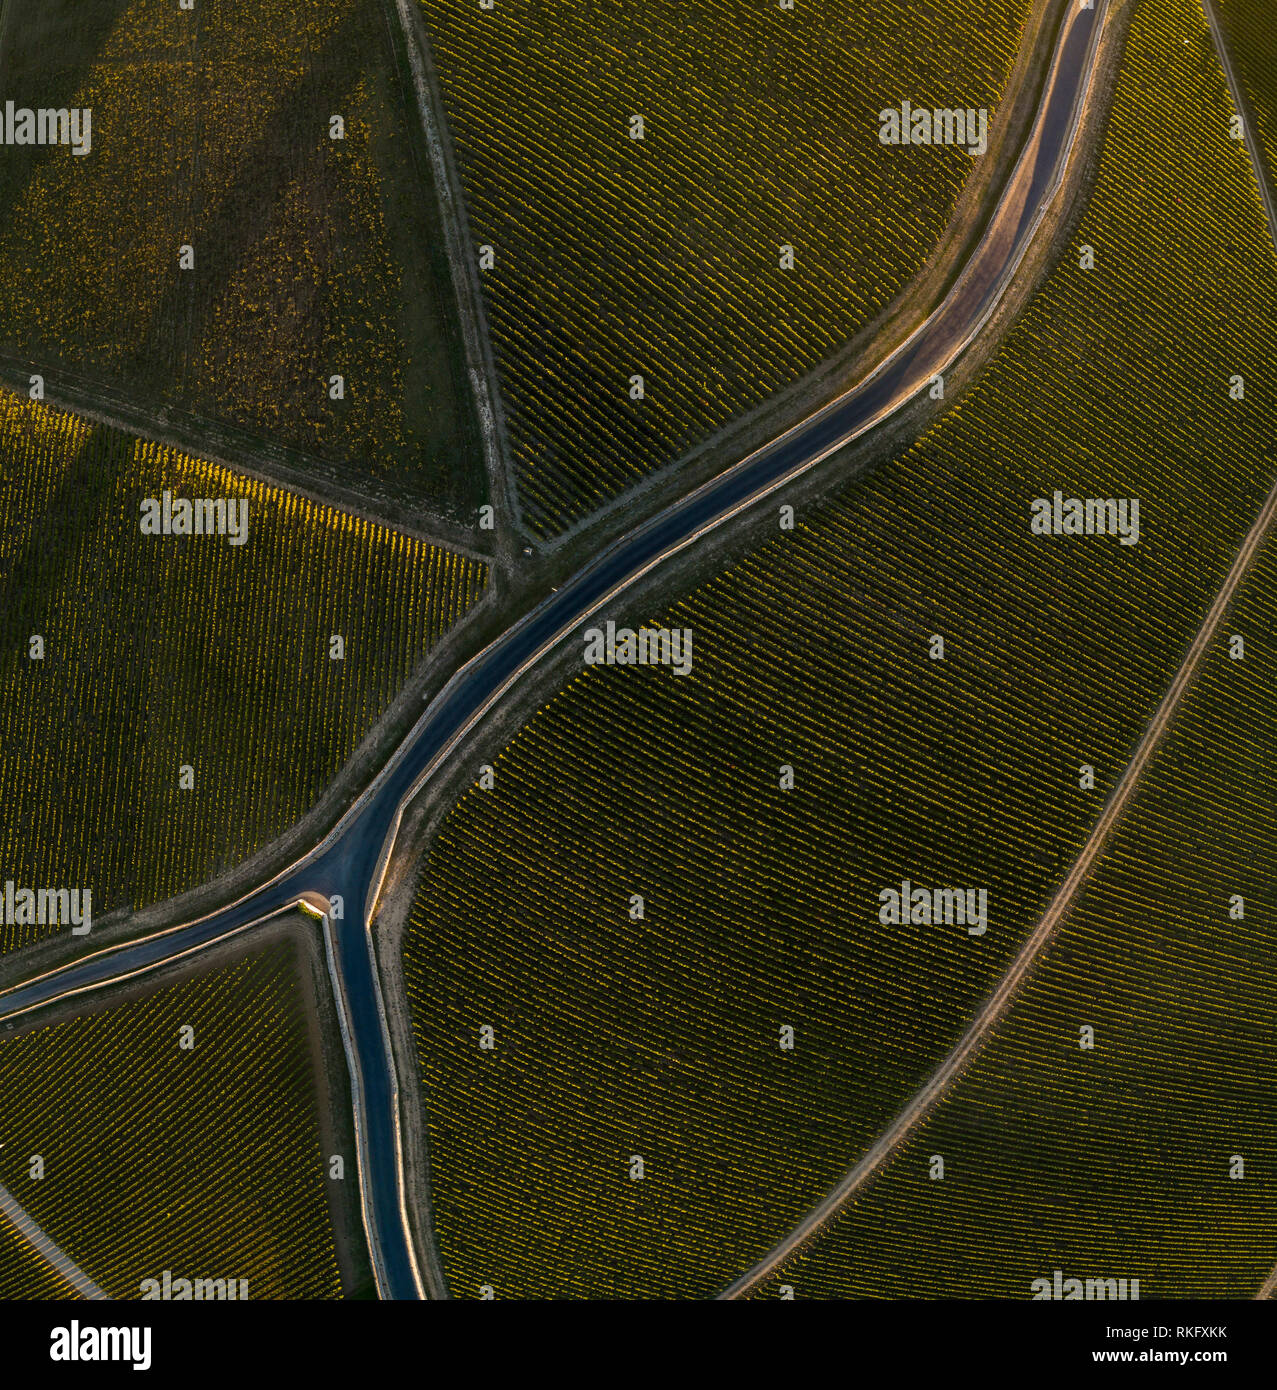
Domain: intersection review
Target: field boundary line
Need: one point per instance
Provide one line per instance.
(1242, 108)
(485, 386)
(52, 1254)
(938, 1085)
(940, 1081)
(1240, 104)
(207, 440)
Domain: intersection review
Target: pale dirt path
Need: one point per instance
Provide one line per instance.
(1262, 178)
(1242, 108)
(941, 1080)
(926, 1099)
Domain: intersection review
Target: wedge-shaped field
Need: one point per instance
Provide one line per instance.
(1150, 1154)
(133, 663)
(311, 257)
(204, 1161)
(661, 257)
(1252, 42)
(661, 1038)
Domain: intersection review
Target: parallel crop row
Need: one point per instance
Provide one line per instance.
(163, 653)
(1252, 40)
(202, 1160)
(313, 258)
(1119, 1160)
(660, 1037)
(660, 257)
(22, 1273)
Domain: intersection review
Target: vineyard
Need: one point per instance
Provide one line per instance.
(660, 1037)
(22, 1273)
(1118, 1161)
(163, 653)
(617, 257)
(1252, 41)
(313, 257)
(205, 1160)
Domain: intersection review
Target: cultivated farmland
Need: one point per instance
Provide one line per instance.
(310, 257)
(660, 1037)
(661, 257)
(1119, 1160)
(162, 653)
(22, 1273)
(203, 1160)
(1252, 41)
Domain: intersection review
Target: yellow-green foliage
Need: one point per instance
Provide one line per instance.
(1252, 40)
(162, 651)
(661, 257)
(302, 304)
(660, 1037)
(313, 256)
(1115, 1161)
(23, 1274)
(206, 1162)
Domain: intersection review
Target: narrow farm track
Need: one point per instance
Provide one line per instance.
(216, 441)
(1240, 105)
(350, 861)
(1264, 179)
(942, 1079)
(409, 23)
